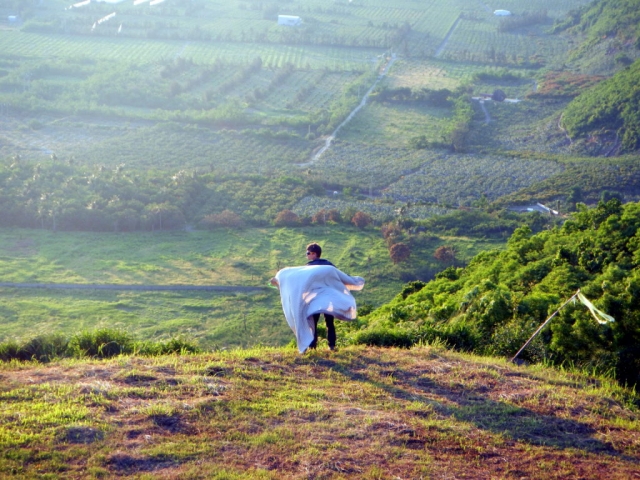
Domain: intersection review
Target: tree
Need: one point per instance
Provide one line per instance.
(575, 196)
(286, 218)
(391, 233)
(320, 217)
(361, 220)
(498, 96)
(159, 216)
(445, 254)
(225, 219)
(333, 215)
(399, 252)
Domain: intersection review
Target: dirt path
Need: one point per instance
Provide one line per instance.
(443, 45)
(487, 117)
(90, 286)
(363, 102)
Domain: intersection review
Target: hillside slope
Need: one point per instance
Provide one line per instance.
(607, 33)
(496, 302)
(273, 414)
(610, 109)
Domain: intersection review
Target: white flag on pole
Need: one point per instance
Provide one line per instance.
(601, 317)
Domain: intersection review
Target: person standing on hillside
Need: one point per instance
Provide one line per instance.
(316, 288)
(314, 252)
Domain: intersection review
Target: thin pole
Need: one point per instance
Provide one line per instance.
(543, 325)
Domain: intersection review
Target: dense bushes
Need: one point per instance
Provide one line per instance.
(434, 98)
(603, 18)
(104, 343)
(494, 304)
(612, 105)
(521, 21)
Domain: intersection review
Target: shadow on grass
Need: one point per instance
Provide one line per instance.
(128, 464)
(517, 423)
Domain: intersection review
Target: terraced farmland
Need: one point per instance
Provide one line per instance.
(220, 86)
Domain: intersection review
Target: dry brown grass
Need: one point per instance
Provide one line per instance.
(271, 413)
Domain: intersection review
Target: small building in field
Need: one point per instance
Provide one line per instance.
(502, 13)
(289, 20)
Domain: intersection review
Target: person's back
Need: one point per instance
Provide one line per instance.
(320, 261)
(314, 251)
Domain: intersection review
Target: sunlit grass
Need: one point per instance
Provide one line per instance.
(355, 413)
(246, 258)
(394, 125)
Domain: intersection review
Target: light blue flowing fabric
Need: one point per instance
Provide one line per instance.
(311, 289)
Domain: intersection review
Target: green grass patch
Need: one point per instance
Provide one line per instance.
(246, 258)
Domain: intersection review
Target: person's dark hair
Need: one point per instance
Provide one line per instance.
(315, 248)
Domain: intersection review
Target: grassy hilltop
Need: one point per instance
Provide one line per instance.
(270, 413)
(177, 143)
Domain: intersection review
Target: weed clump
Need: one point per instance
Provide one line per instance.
(102, 343)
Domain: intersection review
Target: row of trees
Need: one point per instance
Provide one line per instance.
(180, 90)
(526, 19)
(57, 195)
(288, 218)
(435, 98)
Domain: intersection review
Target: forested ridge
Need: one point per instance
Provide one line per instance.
(606, 38)
(494, 304)
(603, 18)
(612, 106)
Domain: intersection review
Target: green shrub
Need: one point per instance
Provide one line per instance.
(9, 351)
(459, 336)
(178, 346)
(104, 343)
(44, 348)
(383, 336)
(412, 287)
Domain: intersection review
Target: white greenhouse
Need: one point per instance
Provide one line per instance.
(289, 20)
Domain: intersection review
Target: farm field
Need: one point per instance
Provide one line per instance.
(144, 51)
(392, 126)
(427, 73)
(75, 106)
(473, 176)
(246, 258)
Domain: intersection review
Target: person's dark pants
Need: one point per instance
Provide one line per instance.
(331, 331)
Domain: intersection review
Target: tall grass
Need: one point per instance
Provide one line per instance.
(102, 343)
